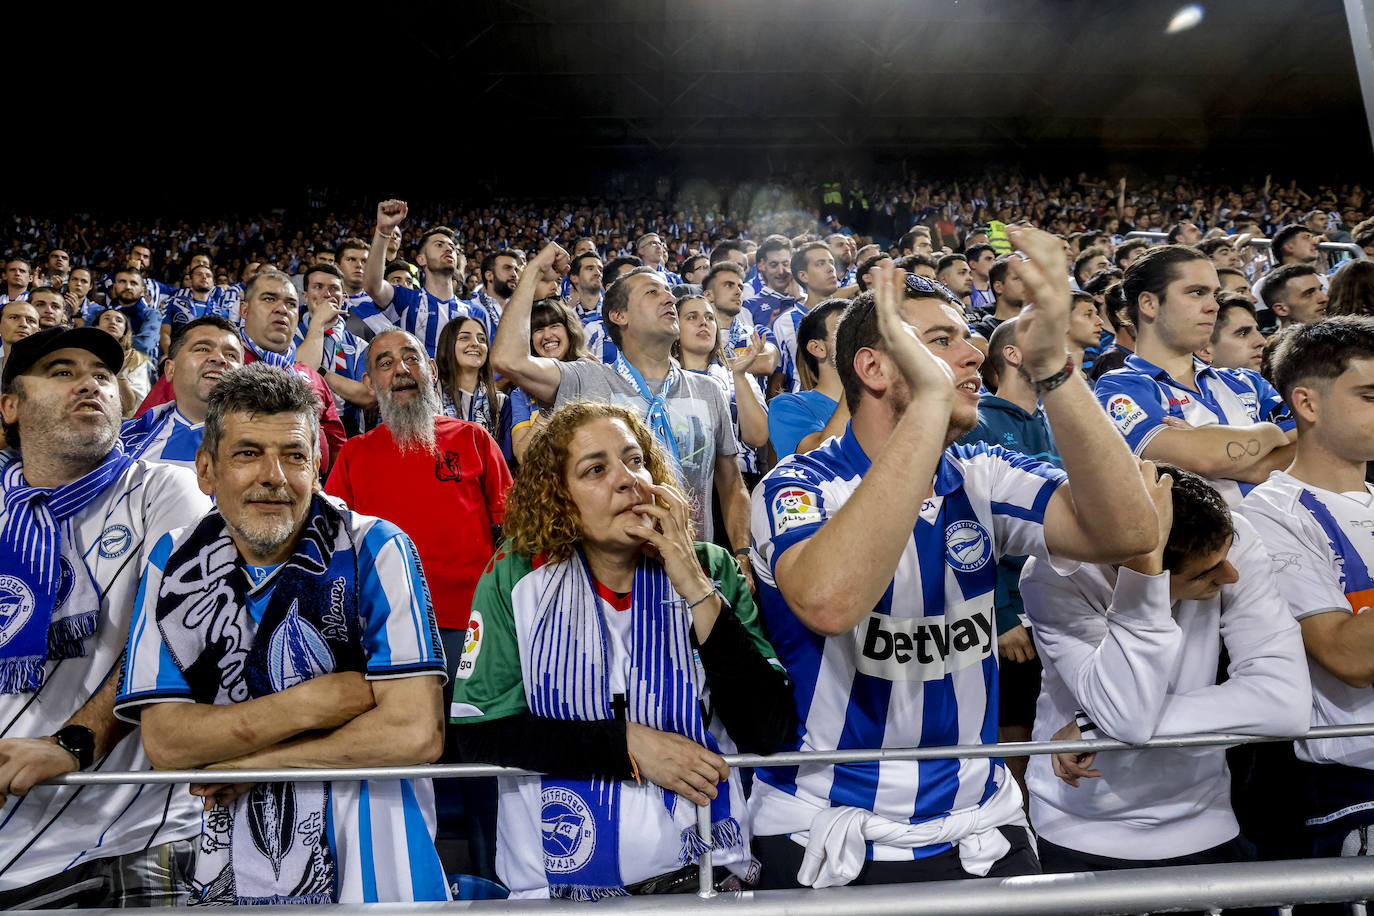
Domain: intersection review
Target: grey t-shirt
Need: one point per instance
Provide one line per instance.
(697, 411)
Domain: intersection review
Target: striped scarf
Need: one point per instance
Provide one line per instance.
(47, 609)
(657, 415)
(566, 666)
(279, 360)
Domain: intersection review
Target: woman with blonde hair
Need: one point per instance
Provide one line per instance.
(615, 654)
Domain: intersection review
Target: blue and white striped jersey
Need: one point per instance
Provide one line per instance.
(921, 670)
(163, 436)
(420, 313)
(381, 831)
(183, 308)
(54, 828)
(1140, 395)
(785, 329)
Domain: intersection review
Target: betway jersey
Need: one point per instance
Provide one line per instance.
(1140, 395)
(163, 436)
(1322, 546)
(921, 670)
(55, 828)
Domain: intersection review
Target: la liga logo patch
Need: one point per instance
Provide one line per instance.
(1125, 413)
(792, 507)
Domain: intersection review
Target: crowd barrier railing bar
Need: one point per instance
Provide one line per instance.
(1158, 890)
(787, 758)
(1193, 887)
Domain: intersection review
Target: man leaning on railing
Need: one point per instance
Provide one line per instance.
(876, 557)
(284, 630)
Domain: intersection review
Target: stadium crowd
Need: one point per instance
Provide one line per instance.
(605, 490)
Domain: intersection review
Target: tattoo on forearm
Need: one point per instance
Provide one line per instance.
(1237, 450)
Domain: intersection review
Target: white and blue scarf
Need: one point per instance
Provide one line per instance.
(280, 360)
(48, 607)
(657, 416)
(565, 664)
(272, 845)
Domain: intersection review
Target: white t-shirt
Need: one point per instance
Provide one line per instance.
(1322, 548)
(55, 828)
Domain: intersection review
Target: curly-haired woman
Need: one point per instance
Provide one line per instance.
(612, 652)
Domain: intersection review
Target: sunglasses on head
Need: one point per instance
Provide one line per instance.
(918, 284)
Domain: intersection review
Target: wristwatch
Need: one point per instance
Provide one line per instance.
(79, 741)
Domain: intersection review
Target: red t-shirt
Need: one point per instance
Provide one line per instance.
(447, 503)
(331, 427)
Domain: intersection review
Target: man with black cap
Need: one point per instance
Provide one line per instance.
(78, 518)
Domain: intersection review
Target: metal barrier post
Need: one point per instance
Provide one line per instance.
(706, 886)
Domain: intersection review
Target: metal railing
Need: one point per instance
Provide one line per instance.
(1136, 890)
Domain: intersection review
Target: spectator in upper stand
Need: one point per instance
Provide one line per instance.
(981, 257)
(422, 312)
(1232, 280)
(1229, 425)
(1184, 233)
(731, 250)
(724, 288)
(1130, 652)
(653, 253)
(916, 240)
(795, 418)
(776, 290)
(351, 260)
(467, 386)
(845, 252)
(398, 274)
(324, 342)
(51, 307)
(78, 295)
(500, 273)
(18, 274)
(1088, 263)
(700, 350)
(1352, 289)
(140, 258)
(921, 265)
(1085, 327)
(1294, 244)
(58, 265)
(584, 297)
(145, 322)
(137, 373)
(863, 274)
(18, 319)
(953, 271)
(1010, 296)
(694, 269)
(201, 297)
(1127, 252)
(1295, 294)
(1236, 339)
(1222, 252)
(813, 267)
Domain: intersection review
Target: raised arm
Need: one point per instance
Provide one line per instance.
(1103, 514)
(390, 214)
(753, 417)
(833, 579)
(510, 351)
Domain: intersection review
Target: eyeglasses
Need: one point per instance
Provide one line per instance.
(918, 284)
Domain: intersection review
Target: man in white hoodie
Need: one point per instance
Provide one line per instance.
(1131, 652)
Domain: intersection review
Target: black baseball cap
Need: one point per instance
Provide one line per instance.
(24, 353)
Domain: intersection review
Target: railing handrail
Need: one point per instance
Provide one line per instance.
(1191, 887)
(787, 758)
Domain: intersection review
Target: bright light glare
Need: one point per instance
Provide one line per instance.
(1185, 19)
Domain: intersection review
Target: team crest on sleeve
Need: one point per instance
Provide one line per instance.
(472, 646)
(569, 830)
(1125, 413)
(792, 507)
(968, 547)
